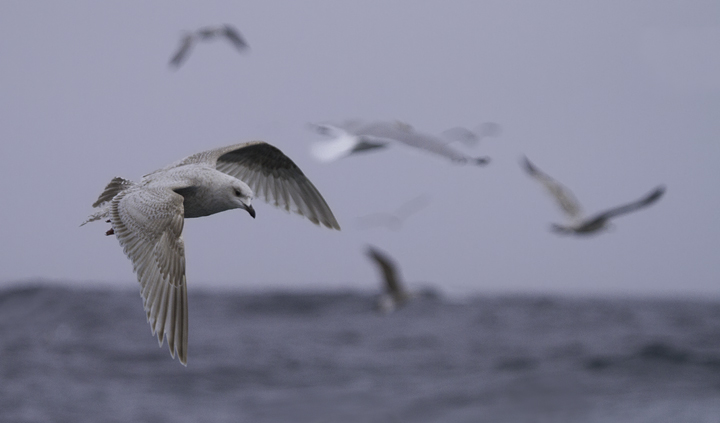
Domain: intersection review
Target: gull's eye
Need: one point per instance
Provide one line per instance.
(237, 193)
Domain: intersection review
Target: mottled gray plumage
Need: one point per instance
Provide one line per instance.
(147, 218)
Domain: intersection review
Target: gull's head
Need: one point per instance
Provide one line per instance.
(326, 129)
(240, 196)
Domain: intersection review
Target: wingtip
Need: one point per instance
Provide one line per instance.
(525, 162)
(372, 250)
(655, 195)
(559, 229)
(330, 224)
(482, 161)
(489, 129)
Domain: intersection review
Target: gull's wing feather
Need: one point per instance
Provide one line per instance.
(461, 134)
(635, 205)
(412, 206)
(112, 189)
(234, 36)
(182, 53)
(405, 134)
(272, 175)
(148, 224)
(395, 220)
(389, 271)
(564, 197)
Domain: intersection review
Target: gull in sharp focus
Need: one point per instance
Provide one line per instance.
(571, 207)
(147, 218)
(394, 294)
(355, 136)
(208, 33)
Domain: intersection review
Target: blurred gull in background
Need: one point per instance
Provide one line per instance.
(472, 138)
(394, 294)
(394, 220)
(207, 33)
(356, 136)
(567, 202)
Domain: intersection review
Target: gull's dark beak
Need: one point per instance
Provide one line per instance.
(250, 210)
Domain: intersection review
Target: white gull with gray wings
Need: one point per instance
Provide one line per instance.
(147, 218)
(355, 136)
(571, 207)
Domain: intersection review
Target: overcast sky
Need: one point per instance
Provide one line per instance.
(612, 98)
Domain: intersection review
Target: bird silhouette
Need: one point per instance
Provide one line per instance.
(393, 293)
(208, 33)
(571, 207)
(394, 220)
(355, 136)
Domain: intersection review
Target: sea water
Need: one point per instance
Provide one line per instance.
(87, 355)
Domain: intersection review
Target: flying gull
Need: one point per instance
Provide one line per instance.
(354, 136)
(472, 138)
(207, 34)
(394, 220)
(393, 295)
(147, 218)
(571, 207)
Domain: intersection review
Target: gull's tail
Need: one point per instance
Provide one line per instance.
(111, 190)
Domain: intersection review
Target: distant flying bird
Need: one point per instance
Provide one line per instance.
(206, 34)
(395, 219)
(354, 136)
(394, 294)
(579, 224)
(147, 218)
(472, 138)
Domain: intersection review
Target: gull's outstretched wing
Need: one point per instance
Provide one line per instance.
(635, 205)
(271, 175)
(395, 220)
(185, 45)
(471, 138)
(562, 195)
(389, 271)
(235, 38)
(148, 224)
(405, 134)
(412, 206)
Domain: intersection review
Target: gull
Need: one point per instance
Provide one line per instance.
(393, 295)
(571, 207)
(395, 220)
(355, 136)
(147, 218)
(472, 138)
(205, 34)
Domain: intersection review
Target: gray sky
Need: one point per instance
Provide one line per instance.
(609, 97)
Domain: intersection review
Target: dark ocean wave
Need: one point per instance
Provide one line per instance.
(86, 355)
